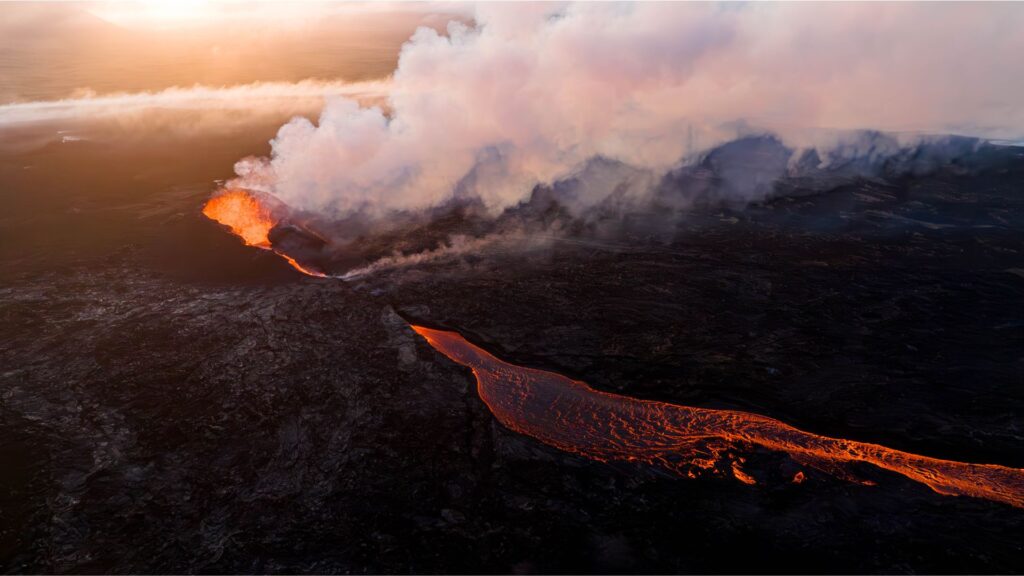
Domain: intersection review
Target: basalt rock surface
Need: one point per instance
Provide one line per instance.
(173, 401)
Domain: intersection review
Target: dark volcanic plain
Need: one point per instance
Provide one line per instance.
(174, 401)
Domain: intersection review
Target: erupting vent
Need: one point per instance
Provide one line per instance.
(247, 217)
(250, 219)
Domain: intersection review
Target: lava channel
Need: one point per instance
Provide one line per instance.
(251, 219)
(572, 416)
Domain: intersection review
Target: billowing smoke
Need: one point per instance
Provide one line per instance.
(531, 93)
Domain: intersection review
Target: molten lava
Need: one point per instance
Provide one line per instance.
(572, 416)
(300, 267)
(244, 214)
(250, 219)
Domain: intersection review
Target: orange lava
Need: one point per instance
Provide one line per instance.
(300, 267)
(249, 219)
(741, 475)
(572, 416)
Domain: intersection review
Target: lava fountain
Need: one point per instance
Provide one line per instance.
(572, 416)
(251, 219)
(244, 214)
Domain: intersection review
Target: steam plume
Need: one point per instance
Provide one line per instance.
(532, 92)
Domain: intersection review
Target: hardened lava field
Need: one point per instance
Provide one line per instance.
(174, 400)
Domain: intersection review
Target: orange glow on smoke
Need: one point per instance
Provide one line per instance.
(572, 416)
(249, 219)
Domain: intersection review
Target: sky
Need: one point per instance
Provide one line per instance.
(54, 51)
(185, 13)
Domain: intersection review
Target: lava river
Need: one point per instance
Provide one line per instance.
(572, 416)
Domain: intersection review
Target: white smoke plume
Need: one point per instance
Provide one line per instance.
(532, 91)
(456, 246)
(260, 97)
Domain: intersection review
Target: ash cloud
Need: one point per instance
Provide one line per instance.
(531, 93)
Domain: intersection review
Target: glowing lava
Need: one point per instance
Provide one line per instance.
(250, 219)
(572, 416)
(244, 214)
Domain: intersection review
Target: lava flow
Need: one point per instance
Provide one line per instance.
(250, 219)
(572, 416)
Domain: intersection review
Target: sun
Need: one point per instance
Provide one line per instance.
(157, 13)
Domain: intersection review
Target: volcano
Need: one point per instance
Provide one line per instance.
(496, 288)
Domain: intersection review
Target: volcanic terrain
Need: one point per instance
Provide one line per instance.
(174, 400)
